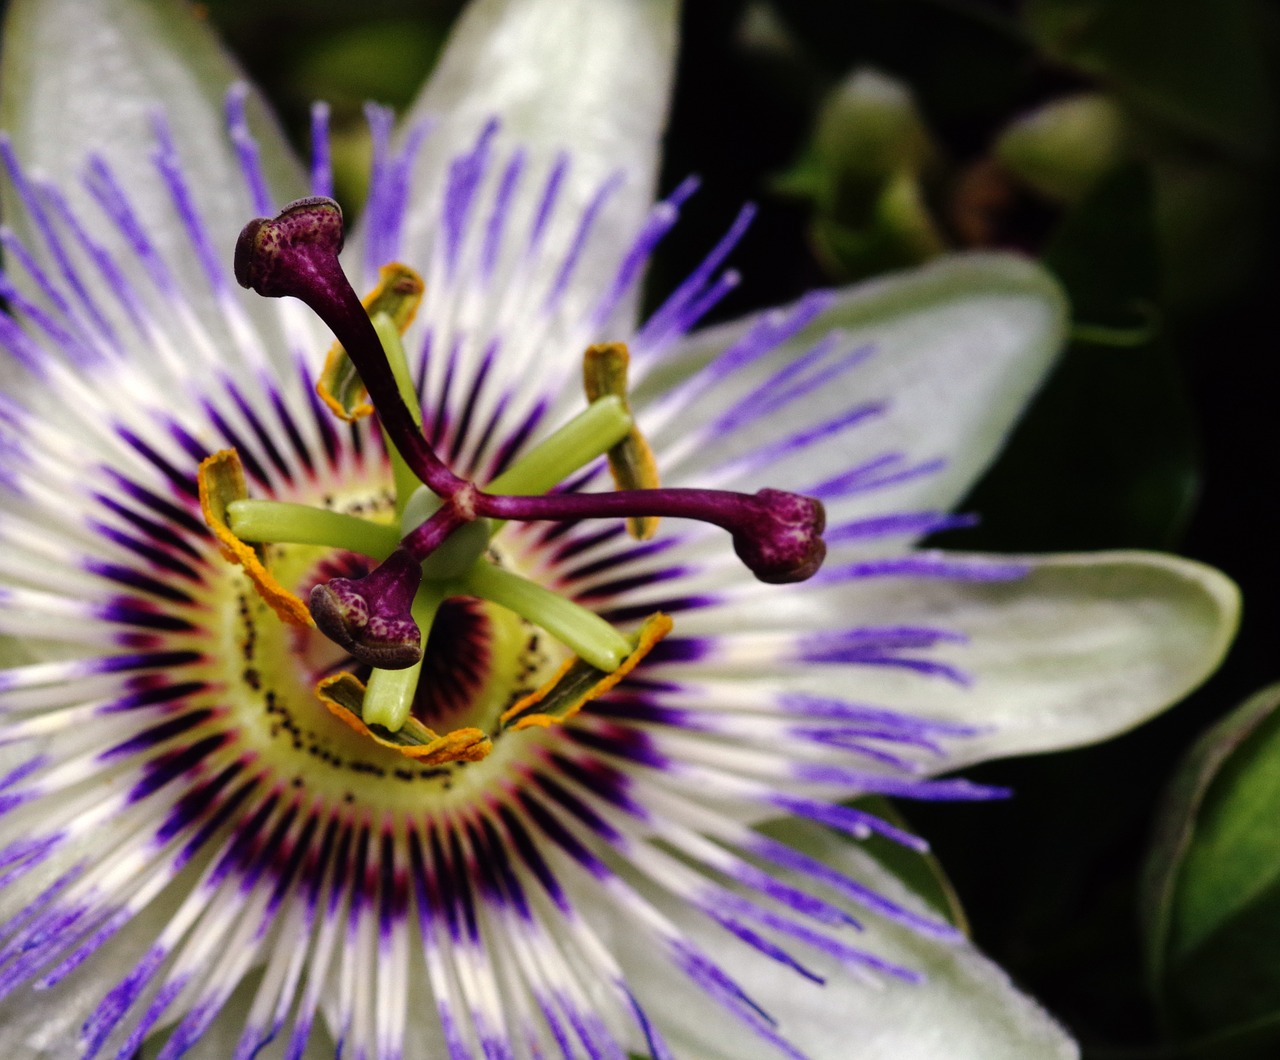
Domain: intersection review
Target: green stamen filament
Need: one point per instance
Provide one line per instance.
(389, 335)
(588, 635)
(389, 695)
(591, 433)
(286, 523)
(588, 435)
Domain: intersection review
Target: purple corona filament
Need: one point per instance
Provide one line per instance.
(777, 535)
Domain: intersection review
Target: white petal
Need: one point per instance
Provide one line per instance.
(1080, 649)
(956, 349)
(46, 1024)
(591, 77)
(1087, 646)
(220, 1040)
(86, 75)
(965, 1010)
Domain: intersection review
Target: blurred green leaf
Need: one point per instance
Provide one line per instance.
(1065, 147)
(1107, 456)
(1212, 218)
(920, 872)
(963, 57)
(1198, 64)
(1212, 888)
(384, 61)
(862, 171)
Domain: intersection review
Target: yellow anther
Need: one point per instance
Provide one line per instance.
(398, 294)
(576, 683)
(221, 481)
(343, 695)
(604, 371)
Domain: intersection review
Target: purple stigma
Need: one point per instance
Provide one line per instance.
(370, 616)
(295, 254)
(292, 253)
(778, 535)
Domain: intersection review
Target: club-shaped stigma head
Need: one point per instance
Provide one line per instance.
(370, 616)
(287, 254)
(781, 539)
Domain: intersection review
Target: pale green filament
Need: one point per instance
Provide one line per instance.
(591, 433)
(283, 522)
(388, 698)
(389, 335)
(586, 633)
(585, 437)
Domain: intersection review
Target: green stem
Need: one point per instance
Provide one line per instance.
(300, 524)
(1144, 330)
(405, 480)
(388, 698)
(587, 634)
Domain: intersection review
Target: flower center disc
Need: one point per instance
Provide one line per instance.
(479, 659)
